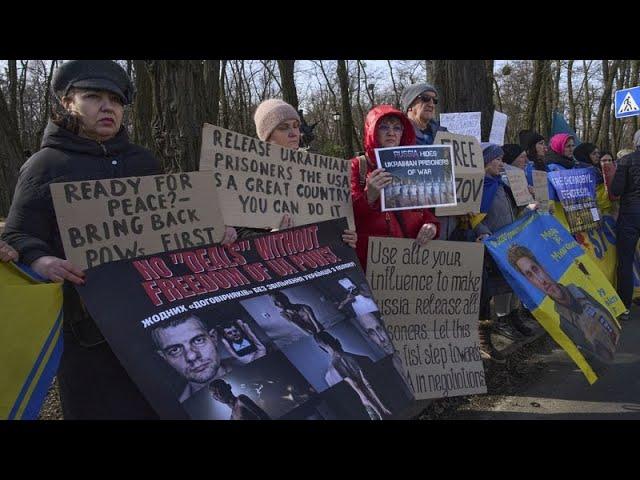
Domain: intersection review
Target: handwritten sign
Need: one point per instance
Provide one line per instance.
(469, 173)
(259, 182)
(114, 219)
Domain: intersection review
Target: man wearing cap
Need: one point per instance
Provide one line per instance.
(419, 103)
(626, 184)
(84, 140)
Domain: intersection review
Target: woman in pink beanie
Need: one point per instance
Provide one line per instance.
(561, 155)
(279, 123)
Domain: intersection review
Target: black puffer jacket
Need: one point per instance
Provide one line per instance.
(31, 227)
(626, 183)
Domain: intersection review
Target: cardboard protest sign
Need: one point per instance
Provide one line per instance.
(112, 219)
(498, 128)
(541, 189)
(462, 123)
(280, 326)
(469, 173)
(430, 299)
(576, 191)
(259, 182)
(423, 176)
(562, 287)
(519, 186)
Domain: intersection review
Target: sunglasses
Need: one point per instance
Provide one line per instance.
(428, 98)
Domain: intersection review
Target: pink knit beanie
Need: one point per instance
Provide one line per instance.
(270, 114)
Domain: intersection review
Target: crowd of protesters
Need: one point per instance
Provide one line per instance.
(85, 139)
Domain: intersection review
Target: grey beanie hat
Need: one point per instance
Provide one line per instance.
(410, 93)
(636, 139)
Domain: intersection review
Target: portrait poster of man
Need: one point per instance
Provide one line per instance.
(423, 177)
(562, 287)
(576, 191)
(256, 330)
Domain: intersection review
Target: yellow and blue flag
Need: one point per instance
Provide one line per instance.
(30, 340)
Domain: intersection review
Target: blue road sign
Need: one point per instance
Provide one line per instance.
(628, 102)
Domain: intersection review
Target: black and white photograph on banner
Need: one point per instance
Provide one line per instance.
(251, 394)
(292, 314)
(195, 349)
(422, 177)
(276, 326)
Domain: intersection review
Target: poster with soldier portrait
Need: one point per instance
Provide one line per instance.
(279, 326)
(562, 287)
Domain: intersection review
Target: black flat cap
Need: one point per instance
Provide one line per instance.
(93, 75)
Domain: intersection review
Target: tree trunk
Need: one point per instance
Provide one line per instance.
(178, 113)
(534, 93)
(572, 103)
(465, 86)
(289, 93)
(212, 86)
(393, 81)
(11, 157)
(143, 106)
(224, 98)
(13, 93)
(347, 120)
(46, 103)
(602, 126)
(23, 84)
(633, 82)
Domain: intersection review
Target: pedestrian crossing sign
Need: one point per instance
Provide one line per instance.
(627, 102)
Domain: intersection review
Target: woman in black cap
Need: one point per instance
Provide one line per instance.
(84, 140)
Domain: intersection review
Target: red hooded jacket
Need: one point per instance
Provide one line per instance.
(370, 221)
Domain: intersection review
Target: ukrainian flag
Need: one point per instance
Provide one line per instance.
(30, 340)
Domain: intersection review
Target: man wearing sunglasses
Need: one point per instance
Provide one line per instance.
(419, 102)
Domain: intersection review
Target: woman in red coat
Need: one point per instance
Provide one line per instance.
(385, 126)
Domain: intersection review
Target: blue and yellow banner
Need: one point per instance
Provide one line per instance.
(30, 338)
(576, 191)
(562, 287)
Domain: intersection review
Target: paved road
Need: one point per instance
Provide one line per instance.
(562, 392)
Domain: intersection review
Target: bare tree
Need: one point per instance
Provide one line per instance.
(178, 113)
(289, 92)
(347, 120)
(11, 157)
(465, 86)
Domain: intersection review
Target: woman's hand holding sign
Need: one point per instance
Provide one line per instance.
(426, 233)
(376, 182)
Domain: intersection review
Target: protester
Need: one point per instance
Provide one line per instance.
(561, 155)
(516, 157)
(626, 185)
(587, 155)
(384, 126)
(533, 143)
(606, 156)
(279, 123)
(419, 104)
(623, 152)
(499, 209)
(84, 140)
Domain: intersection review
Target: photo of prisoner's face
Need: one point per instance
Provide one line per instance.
(539, 277)
(189, 349)
(376, 332)
(232, 333)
